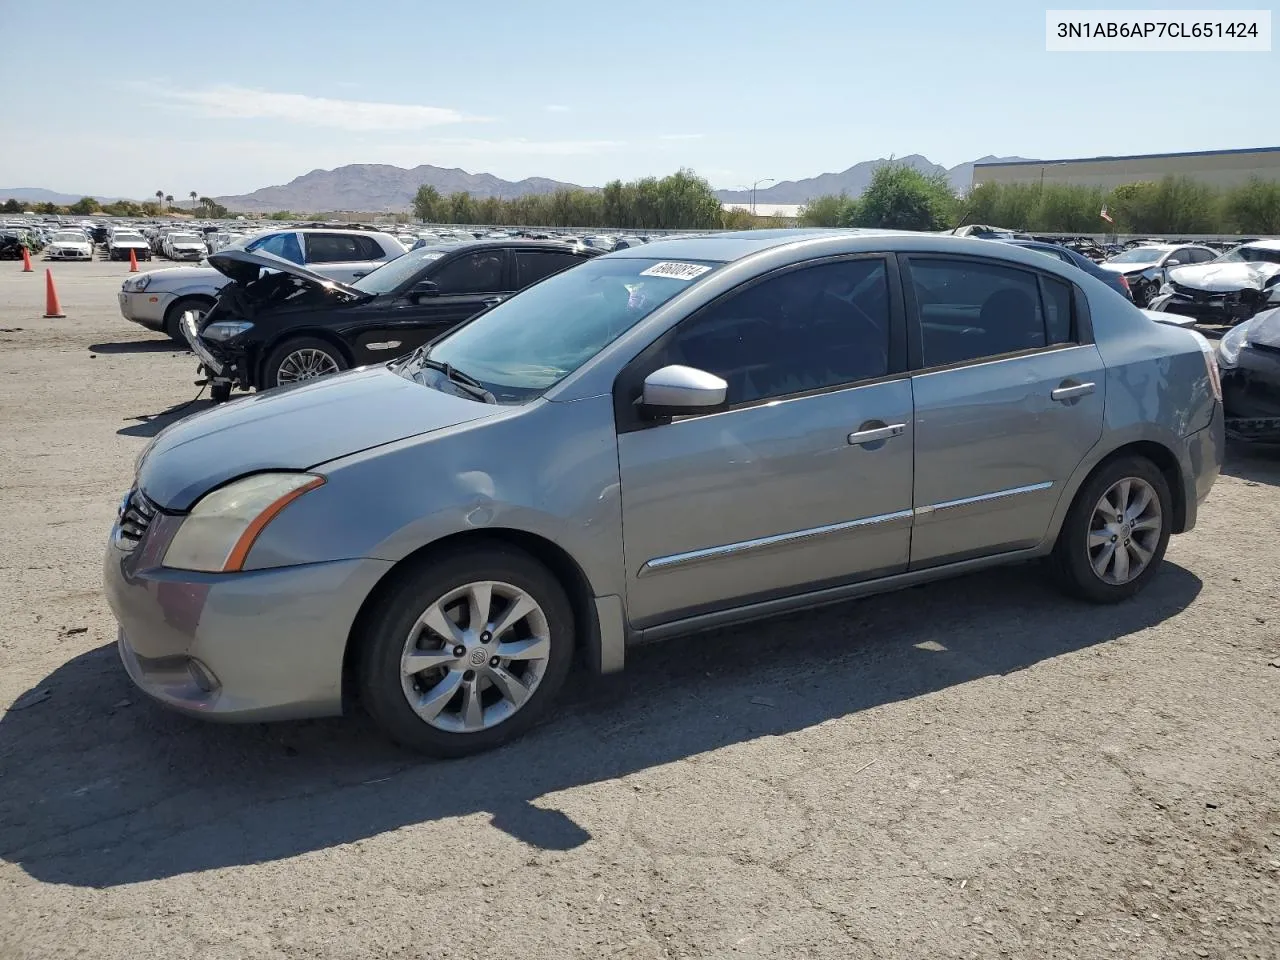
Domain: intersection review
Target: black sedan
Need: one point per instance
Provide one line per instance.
(1249, 362)
(1115, 281)
(279, 323)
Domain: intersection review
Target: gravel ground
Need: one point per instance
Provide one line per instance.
(972, 769)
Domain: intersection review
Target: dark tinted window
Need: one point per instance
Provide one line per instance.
(279, 244)
(533, 265)
(816, 327)
(970, 309)
(479, 272)
(336, 248)
(1057, 308)
(1199, 256)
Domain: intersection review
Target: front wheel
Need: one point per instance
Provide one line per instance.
(302, 358)
(466, 651)
(1115, 534)
(173, 316)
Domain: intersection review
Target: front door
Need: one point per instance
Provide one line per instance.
(805, 480)
(1008, 401)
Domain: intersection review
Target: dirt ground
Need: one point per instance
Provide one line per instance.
(973, 769)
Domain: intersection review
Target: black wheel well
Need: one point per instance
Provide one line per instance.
(1167, 464)
(562, 566)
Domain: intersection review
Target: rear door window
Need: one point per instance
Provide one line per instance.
(971, 309)
(533, 265)
(334, 248)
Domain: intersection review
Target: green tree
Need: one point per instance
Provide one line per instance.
(85, 206)
(47, 208)
(900, 197)
(1252, 208)
(168, 200)
(828, 211)
(427, 204)
(192, 195)
(13, 206)
(462, 208)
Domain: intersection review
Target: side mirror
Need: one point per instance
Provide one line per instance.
(677, 390)
(424, 288)
(1172, 263)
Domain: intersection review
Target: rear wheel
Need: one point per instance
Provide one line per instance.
(1116, 532)
(302, 358)
(466, 651)
(173, 316)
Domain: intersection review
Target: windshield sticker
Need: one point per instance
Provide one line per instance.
(675, 271)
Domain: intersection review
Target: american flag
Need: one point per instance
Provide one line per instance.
(1105, 216)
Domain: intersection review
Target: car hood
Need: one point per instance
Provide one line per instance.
(244, 267)
(1264, 329)
(1126, 267)
(1224, 276)
(294, 428)
(128, 242)
(179, 276)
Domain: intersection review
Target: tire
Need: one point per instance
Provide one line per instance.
(384, 637)
(173, 316)
(1073, 559)
(312, 349)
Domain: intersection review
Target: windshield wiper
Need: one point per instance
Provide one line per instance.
(464, 381)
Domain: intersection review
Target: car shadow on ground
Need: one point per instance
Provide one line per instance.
(149, 424)
(101, 787)
(140, 346)
(1253, 462)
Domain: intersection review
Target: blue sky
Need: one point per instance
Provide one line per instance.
(226, 97)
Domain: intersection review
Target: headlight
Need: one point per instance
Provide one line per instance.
(218, 533)
(139, 283)
(1231, 344)
(225, 330)
(1166, 288)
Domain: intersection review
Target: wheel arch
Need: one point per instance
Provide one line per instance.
(296, 333)
(1165, 460)
(555, 558)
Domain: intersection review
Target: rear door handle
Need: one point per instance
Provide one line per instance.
(491, 301)
(1063, 394)
(876, 434)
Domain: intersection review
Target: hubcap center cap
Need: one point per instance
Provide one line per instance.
(478, 656)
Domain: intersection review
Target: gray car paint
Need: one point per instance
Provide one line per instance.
(408, 467)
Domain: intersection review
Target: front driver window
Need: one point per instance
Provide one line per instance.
(479, 272)
(283, 245)
(807, 329)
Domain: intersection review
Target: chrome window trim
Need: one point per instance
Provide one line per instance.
(659, 564)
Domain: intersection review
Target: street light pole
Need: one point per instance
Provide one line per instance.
(753, 192)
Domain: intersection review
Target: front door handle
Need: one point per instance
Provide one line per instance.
(491, 301)
(1063, 394)
(876, 434)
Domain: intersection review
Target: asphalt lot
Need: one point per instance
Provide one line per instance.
(979, 768)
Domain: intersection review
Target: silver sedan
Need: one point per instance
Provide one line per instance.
(652, 443)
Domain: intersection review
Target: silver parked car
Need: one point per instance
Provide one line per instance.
(663, 439)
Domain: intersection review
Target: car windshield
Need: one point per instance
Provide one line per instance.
(1138, 255)
(394, 274)
(525, 345)
(1248, 254)
(68, 237)
(184, 238)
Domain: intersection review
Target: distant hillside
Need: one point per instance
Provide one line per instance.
(379, 187)
(852, 181)
(41, 195)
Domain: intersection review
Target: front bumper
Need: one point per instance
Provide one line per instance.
(1251, 393)
(258, 645)
(1211, 307)
(68, 255)
(145, 307)
(223, 363)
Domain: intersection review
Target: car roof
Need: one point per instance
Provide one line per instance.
(557, 245)
(734, 245)
(1264, 244)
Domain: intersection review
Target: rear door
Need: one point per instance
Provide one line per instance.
(1008, 390)
(342, 256)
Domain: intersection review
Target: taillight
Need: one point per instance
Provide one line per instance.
(1210, 364)
(1124, 282)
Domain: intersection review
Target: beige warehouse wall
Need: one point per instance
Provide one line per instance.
(1219, 170)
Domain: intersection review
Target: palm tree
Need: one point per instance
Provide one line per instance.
(193, 196)
(168, 199)
(206, 204)
(160, 198)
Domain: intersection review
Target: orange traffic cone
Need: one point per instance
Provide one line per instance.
(52, 308)
(26, 260)
(133, 261)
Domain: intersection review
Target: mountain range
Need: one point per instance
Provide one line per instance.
(380, 187)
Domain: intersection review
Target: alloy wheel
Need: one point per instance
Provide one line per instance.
(1124, 531)
(475, 656)
(305, 364)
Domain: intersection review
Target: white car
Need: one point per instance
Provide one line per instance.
(185, 246)
(121, 242)
(69, 245)
(1240, 283)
